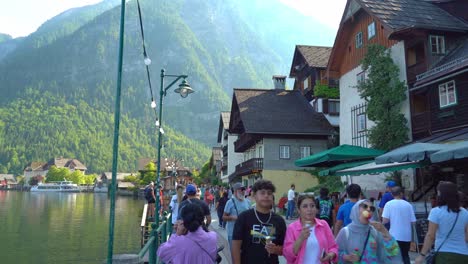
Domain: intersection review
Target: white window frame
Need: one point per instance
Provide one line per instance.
(306, 83)
(445, 90)
(371, 30)
(305, 151)
(284, 152)
(360, 77)
(439, 42)
(358, 39)
(361, 122)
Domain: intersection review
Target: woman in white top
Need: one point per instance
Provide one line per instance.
(448, 227)
(175, 201)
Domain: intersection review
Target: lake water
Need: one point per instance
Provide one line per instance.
(65, 227)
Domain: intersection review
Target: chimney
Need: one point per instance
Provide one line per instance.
(279, 81)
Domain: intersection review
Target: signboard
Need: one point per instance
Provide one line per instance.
(422, 225)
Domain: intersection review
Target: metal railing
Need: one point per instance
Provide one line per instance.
(441, 68)
(159, 234)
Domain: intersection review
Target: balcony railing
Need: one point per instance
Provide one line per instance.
(245, 141)
(421, 122)
(250, 166)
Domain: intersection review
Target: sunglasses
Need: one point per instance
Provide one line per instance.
(370, 207)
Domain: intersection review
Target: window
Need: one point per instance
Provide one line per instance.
(260, 151)
(447, 94)
(333, 106)
(284, 152)
(359, 40)
(306, 83)
(361, 122)
(437, 44)
(371, 30)
(305, 151)
(361, 77)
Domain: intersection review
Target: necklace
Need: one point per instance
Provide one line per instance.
(258, 218)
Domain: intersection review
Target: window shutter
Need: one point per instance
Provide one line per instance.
(325, 106)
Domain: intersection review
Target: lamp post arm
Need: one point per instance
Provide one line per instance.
(173, 82)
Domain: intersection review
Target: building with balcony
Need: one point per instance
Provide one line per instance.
(226, 139)
(275, 128)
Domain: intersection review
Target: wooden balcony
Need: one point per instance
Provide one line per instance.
(421, 122)
(245, 141)
(415, 69)
(251, 166)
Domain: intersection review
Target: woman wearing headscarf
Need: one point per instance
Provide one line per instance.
(448, 226)
(309, 239)
(364, 241)
(192, 243)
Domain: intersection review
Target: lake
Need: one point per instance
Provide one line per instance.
(65, 227)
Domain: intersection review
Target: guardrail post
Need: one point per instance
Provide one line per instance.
(155, 244)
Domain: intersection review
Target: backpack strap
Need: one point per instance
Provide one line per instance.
(235, 206)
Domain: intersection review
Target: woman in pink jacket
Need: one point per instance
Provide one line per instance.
(309, 240)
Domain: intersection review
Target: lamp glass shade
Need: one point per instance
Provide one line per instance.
(184, 89)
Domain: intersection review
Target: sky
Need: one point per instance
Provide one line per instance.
(19, 18)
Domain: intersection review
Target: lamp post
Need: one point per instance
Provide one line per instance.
(184, 90)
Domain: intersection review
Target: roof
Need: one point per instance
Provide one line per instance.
(143, 162)
(315, 56)
(34, 166)
(279, 111)
(399, 15)
(125, 185)
(67, 163)
(120, 175)
(8, 177)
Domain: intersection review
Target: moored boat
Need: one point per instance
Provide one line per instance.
(61, 186)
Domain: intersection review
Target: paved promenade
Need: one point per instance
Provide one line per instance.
(226, 253)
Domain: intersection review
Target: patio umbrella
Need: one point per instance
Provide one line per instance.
(372, 168)
(450, 152)
(332, 171)
(338, 155)
(410, 152)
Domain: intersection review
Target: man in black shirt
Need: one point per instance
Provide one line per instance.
(259, 233)
(191, 192)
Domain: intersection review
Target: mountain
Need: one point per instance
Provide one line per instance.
(218, 44)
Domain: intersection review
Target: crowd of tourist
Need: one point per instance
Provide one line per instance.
(319, 231)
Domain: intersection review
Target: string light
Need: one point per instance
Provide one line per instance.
(157, 123)
(147, 61)
(153, 104)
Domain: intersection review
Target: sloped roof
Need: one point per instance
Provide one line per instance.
(404, 14)
(279, 111)
(9, 177)
(143, 162)
(67, 163)
(120, 175)
(315, 56)
(35, 165)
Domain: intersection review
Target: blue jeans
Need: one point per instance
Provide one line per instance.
(290, 212)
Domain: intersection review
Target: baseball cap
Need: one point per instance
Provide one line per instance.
(238, 186)
(391, 184)
(190, 189)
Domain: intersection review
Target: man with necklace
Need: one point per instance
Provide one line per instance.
(258, 232)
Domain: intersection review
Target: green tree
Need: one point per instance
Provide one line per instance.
(384, 93)
(57, 174)
(77, 177)
(89, 179)
(149, 174)
(130, 178)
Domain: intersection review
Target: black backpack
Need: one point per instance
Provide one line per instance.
(148, 195)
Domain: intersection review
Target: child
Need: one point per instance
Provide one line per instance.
(258, 232)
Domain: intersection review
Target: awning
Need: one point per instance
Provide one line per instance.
(373, 168)
(337, 155)
(408, 153)
(450, 152)
(332, 171)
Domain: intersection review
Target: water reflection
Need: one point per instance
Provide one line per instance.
(64, 227)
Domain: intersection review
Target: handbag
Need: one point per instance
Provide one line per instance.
(430, 258)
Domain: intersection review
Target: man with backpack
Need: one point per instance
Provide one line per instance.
(325, 207)
(236, 205)
(150, 198)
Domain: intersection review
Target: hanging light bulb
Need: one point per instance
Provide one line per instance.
(153, 104)
(157, 123)
(161, 130)
(147, 61)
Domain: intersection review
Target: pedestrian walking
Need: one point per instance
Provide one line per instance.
(192, 242)
(175, 202)
(401, 216)
(191, 192)
(344, 212)
(220, 205)
(150, 198)
(325, 207)
(448, 227)
(291, 196)
(234, 206)
(259, 233)
(309, 239)
(364, 241)
(387, 197)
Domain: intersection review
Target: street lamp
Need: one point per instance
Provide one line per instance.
(184, 90)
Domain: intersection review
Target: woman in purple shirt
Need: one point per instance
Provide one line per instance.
(192, 243)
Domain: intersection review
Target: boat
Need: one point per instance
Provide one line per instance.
(60, 186)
